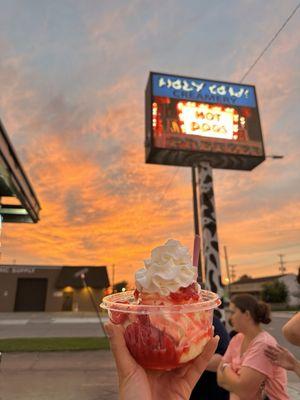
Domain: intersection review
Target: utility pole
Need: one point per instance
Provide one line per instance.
(113, 278)
(227, 271)
(232, 272)
(282, 268)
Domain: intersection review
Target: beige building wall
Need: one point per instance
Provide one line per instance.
(8, 286)
(9, 276)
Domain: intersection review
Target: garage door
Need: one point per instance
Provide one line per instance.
(31, 294)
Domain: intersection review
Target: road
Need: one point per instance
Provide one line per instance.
(21, 325)
(17, 325)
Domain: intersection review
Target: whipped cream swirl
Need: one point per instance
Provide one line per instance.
(168, 269)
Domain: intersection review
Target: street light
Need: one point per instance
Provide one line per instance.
(82, 275)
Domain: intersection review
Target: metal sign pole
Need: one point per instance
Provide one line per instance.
(196, 221)
(209, 233)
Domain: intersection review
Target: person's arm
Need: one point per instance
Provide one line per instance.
(247, 381)
(282, 357)
(220, 374)
(291, 330)
(219, 330)
(214, 363)
(297, 368)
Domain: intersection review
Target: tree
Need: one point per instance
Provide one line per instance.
(275, 292)
(119, 286)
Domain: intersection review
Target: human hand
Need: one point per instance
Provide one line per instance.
(137, 383)
(281, 356)
(220, 372)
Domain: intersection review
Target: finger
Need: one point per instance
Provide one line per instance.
(181, 372)
(271, 352)
(197, 367)
(270, 356)
(281, 349)
(268, 353)
(283, 353)
(124, 360)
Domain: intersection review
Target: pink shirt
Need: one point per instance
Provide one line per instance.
(254, 357)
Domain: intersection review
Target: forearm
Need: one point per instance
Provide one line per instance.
(231, 381)
(214, 363)
(296, 368)
(291, 330)
(222, 377)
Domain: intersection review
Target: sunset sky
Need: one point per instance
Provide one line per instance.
(72, 79)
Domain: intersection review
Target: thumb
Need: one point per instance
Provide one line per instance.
(199, 364)
(124, 361)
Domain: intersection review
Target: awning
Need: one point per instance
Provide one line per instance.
(95, 277)
(15, 184)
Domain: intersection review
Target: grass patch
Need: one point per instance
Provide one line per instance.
(54, 344)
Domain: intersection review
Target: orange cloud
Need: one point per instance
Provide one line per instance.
(83, 149)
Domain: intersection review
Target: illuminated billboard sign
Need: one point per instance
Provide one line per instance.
(192, 120)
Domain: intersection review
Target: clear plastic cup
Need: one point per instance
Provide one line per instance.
(163, 337)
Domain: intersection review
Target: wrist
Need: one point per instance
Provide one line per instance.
(223, 366)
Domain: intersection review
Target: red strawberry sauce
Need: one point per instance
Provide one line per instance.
(151, 348)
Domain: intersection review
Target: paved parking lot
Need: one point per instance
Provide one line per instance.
(88, 375)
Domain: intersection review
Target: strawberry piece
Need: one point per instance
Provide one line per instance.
(151, 348)
(136, 294)
(185, 294)
(118, 317)
(144, 319)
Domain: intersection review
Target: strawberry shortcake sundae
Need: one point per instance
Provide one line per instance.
(167, 319)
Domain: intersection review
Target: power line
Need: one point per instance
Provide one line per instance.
(269, 251)
(292, 261)
(256, 264)
(244, 76)
(270, 42)
(168, 185)
(288, 247)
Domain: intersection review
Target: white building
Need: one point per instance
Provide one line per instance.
(254, 286)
